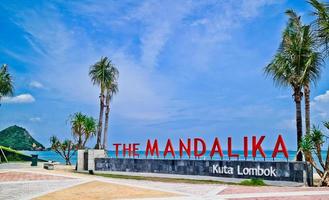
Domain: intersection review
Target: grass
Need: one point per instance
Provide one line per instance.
(253, 182)
(14, 155)
(162, 179)
(178, 180)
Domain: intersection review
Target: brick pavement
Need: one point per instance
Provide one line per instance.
(237, 189)
(28, 176)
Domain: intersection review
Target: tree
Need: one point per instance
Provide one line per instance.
(312, 144)
(65, 149)
(89, 125)
(111, 89)
(99, 74)
(321, 23)
(294, 64)
(77, 127)
(83, 127)
(6, 82)
(309, 58)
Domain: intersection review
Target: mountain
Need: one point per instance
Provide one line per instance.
(19, 138)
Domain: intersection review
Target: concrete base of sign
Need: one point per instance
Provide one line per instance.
(86, 158)
(299, 172)
(200, 178)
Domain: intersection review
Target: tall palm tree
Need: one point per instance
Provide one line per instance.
(311, 75)
(99, 74)
(6, 82)
(321, 23)
(292, 63)
(312, 61)
(77, 127)
(111, 89)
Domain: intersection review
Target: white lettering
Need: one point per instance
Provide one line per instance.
(258, 171)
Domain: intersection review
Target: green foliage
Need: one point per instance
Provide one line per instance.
(312, 140)
(297, 61)
(13, 155)
(311, 146)
(83, 127)
(253, 182)
(6, 82)
(317, 136)
(103, 73)
(65, 149)
(326, 124)
(18, 138)
(321, 12)
(306, 145)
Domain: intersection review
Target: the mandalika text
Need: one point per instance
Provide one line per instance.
(198, 147)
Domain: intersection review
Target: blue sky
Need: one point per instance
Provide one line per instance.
(187, 68)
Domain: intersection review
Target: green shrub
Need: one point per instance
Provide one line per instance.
(253, 182)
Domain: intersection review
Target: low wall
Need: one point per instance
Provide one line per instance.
(267, 170)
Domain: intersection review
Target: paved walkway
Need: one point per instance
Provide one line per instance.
(24, 182)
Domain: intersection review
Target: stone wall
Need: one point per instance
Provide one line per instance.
(267, 170)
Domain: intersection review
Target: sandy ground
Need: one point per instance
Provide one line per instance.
(100, 190)
(20, 182)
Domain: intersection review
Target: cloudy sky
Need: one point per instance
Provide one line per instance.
(187, 68)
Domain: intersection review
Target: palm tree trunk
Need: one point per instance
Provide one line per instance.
(307, 108)
(84, 143)
(106, 126)
(299, 124)
(80, 142)
(100, 120)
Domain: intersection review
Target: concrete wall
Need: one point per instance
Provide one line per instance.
(91, 155)
(267, 170)
(80, 160)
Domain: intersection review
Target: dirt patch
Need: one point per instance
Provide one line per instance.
(101, 190)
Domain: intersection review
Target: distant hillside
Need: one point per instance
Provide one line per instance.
(18, 138)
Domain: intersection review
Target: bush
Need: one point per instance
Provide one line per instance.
(253, 182)
(311, 147)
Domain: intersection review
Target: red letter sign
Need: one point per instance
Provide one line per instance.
(196, 153)
(169, 148)
(117, 149)
(216, 148)
(245, 147)
(229, 149)
(283, 149)
(186, 149)
(135, 149)
(151, 149)
(257, 146)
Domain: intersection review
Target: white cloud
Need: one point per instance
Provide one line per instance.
(35, 119)
(36, 84)
(320, 107)
(323, 98)
(144, 94)
(22, 98)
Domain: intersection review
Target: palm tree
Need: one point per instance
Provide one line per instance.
(322, 23)
(111, 89)
(99, 74)
(295, 64)
(77, 127)
(6, 82)
(90, 128)
(313, 62)
(65, 149)
(311, 75)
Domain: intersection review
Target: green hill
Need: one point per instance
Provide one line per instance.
(18, 138)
